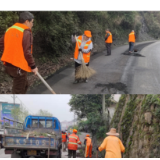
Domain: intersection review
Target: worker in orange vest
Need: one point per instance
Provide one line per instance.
(131, 40)
(17, 52)
(112, 145)
(85, 46)
(64, 141)
(73, 144)
(88, 148)
(108, 41)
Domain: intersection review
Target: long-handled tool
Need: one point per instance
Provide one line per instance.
(45, 83)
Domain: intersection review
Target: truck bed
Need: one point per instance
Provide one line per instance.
(12, 141)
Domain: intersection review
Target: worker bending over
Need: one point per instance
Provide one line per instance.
(88, 146)
(17, 44)
(85, 46)
(73, 144)
(112, 144)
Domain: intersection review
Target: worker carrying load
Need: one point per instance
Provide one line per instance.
(108, 41)
(64, 141)
(73, 144)
(82, 55)
(88, 146)
(112, 144)
(17, 44)
(131, 40)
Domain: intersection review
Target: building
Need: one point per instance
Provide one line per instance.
(5, 110)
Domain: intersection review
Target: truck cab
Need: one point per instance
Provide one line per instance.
(39, 137)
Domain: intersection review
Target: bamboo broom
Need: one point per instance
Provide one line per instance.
(83, 71)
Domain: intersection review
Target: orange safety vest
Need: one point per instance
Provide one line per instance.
(109, 39)
(13, 49)
(86, 56)
(64, 139)
(131, 37)
(88, 148)
(88, 141)
(73, 142)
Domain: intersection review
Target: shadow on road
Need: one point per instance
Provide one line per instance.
(133, 54)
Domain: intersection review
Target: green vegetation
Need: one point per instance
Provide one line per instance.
(52, 30)
(89, 107)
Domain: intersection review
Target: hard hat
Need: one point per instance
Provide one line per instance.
(87, 135)
(87, 33)
(74, 130)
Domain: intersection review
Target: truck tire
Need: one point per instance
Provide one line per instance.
(15, 155)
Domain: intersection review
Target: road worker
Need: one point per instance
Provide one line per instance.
(64, 141)
(131, 40)
(73, 144)
(112, 144)
(85, 46)
(108, 41)
(17, 52)
(88, 148)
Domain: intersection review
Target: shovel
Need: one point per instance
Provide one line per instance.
(45, 83)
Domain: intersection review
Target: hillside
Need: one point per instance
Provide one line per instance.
(137, 119)
(52, 47)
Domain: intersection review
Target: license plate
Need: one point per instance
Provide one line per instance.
(31, 152)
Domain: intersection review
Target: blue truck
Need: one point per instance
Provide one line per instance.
(38, 136)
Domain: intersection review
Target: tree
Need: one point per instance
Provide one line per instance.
(44, 113)
(90, 107)
(20, 113)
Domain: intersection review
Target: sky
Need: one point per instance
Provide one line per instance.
(55, 104)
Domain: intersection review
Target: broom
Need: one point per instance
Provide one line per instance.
(83, 71)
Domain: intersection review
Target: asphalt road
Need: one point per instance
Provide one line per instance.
(119, 73)
(3, 155)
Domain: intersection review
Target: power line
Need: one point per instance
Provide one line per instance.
(24, 105)
(6, 99)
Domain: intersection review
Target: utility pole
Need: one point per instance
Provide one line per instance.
(14, 104)
(103, 106)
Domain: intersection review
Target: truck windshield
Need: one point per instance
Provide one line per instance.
(41, 123)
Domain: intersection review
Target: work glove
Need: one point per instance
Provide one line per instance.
(97, 149)
(80, 50)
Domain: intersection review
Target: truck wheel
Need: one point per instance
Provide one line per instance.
(15, 155)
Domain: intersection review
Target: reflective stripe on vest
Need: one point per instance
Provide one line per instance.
(16, 27)
(72, 137)
(13, 51)
(72, 143)
(86, 56)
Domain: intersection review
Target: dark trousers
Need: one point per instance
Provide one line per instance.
(71, 153)
(108, 46)
(131, 45)
(20, 82)
(77, 65)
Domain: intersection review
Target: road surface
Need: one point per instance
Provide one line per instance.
(3, 155)
(119, 73)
